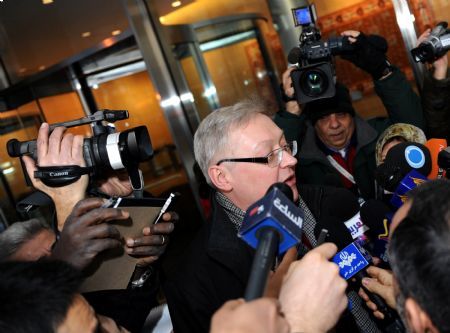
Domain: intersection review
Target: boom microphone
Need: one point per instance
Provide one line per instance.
(272, 225)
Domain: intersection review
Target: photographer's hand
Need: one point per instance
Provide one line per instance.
(116, 184)
(369, 54)
(59, 150)
(291, 106)
(86, 232)
(441, 64)
(154, 241)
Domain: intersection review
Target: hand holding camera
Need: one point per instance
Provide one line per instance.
(440, 64)
(369, 53)
(58, 150)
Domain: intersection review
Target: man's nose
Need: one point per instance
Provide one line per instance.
(288, 160)
(333, 121)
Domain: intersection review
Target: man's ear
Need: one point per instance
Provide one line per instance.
(220, 177)
(418, 319)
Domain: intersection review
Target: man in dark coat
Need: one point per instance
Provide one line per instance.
(337, 146)
(241, 152)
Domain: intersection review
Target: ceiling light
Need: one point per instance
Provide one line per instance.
(41, 68)
(116, 32)
(162, 19)
(22, 70)
(47, 2)
(86, 34)
(176, 4)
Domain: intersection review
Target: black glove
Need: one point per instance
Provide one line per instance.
(369, 55)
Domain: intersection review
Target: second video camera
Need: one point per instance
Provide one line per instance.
(435, 46)
(315, 76)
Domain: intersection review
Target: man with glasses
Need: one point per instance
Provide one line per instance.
(241, 153)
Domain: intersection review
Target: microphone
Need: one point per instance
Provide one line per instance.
(400, 160)
(436, 146)
(294, 55)
(272, 225)
(410, 181)
(345, 207)
(352, 260)
(377, 216)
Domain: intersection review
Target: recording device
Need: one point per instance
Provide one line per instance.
(400, 160)
(272, 225)
(352, 260)
(435, 46)
(315, 78)
(105, 150)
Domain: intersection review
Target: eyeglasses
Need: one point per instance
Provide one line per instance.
(273, 159)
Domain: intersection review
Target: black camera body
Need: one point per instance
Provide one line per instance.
(105, 150)
(435, 46)
(316, 75)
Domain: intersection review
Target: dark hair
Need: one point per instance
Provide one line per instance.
(35, 296)
(420, 251)
(17, 234)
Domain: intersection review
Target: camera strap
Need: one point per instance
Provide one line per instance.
(57, 176)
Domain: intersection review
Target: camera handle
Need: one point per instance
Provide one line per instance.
(136, 180)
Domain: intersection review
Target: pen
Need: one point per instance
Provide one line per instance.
(164, 207)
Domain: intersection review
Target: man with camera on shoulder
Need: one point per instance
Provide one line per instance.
(338, 146)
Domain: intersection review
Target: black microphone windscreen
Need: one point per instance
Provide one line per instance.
(343, 206)
(373, 212)
(283, 188)
(294, 55)
(400, 160)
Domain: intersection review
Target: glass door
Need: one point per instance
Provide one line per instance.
(225, 60)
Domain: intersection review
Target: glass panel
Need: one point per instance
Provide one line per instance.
(136, 94)
(37, 35)
(21, 124)
(64, 107)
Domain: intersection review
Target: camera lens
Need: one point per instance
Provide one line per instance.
(313, 82)
(135, 145)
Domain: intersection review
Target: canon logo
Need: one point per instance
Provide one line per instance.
(58, 174)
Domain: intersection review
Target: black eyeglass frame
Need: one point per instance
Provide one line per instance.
(262, 160)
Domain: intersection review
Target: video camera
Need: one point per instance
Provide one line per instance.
(435, 46)
(105, 150)
(315, 78)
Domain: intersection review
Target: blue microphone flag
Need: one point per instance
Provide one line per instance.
(277, 211)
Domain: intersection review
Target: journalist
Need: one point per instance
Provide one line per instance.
(83, 229)
(436, 96)
(336, 143)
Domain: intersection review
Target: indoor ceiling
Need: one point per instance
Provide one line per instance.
(36, 34)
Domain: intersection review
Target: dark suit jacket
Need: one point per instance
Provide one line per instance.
(215, 270)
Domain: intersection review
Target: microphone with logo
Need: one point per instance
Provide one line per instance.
(406, 166)
(435, 146)
(352, 260)
(272, 225)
